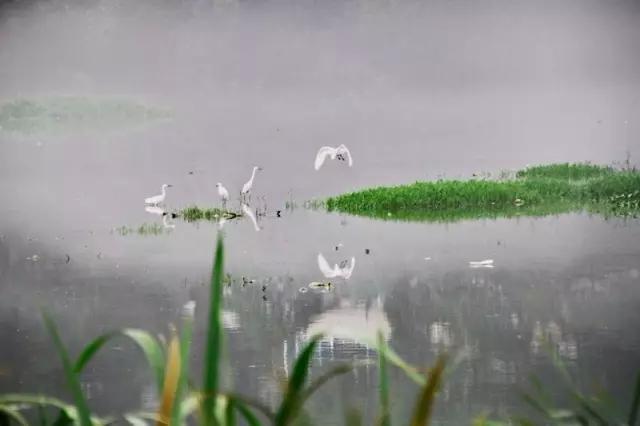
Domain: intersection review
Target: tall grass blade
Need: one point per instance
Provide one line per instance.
(90, 350)
(84, 415)
(12, 414)
(214, 339)
(424, 406)
(229, 413)
(385, 415)
(635, 404)
(152, 350)
(295, 386)
(247, 414)
(170, 386)
(411, 372)
(185, 349)
(352, 417)
(323, 379)
(63, 419)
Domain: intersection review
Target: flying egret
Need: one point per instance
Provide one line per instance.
(247, 211)
(158, 199)
(341, 153)
(344, 270)
(246, 189)
(223, 193)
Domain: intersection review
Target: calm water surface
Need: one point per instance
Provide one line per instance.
(573, 279)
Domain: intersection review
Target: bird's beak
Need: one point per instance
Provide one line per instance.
(259, 168)
(169, 186)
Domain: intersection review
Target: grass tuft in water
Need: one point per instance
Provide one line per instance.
(195, 213)
(540, 191)
(566, 171)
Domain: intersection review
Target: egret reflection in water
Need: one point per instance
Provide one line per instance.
(357, 324)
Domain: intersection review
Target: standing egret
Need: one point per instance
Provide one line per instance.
(223, 193)
(341, 153)
(247, 211)
(246, 189)
(158, 199)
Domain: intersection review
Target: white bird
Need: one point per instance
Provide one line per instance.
(167, 223)
(158, 199)
(487, 263)
(223, 193)
(154, 210)
(341, 153)
(246, 189)
(344, 270)
(247, 211)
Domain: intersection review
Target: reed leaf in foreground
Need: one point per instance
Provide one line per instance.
(214, 339)
(385, 415)
(294, 394)
(145, 341)
(635, 403)
(84, 415)
(171, 380)
(424, 406)
(8, 413)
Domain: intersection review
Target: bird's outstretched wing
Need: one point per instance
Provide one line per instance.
(342, 149)
(326, 270)
(322, 155)
(347, 271)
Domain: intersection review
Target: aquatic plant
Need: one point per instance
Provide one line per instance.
(195, 213)
(539, 191)
(62, 114)
(144, 229)
(566, 171)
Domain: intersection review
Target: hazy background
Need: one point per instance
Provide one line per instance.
(417, 90)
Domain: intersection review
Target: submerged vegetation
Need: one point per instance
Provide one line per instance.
(195, 213)
(61, 114)
(536, 191)
(181, 400)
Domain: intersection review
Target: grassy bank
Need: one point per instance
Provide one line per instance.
(537, 191)
(63, 114)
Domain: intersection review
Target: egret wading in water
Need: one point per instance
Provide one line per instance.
(158, 199)
(223, 193)
(341, 153)
(246, 189)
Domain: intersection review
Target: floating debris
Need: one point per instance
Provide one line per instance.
(487, 263)
(34, 258)
(320, 285)
(343, 270)
(367, 251)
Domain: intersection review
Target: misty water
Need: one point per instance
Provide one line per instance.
(417, 92)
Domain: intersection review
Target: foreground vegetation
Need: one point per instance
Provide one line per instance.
(61, 114)
(536, 191)
(184, 401)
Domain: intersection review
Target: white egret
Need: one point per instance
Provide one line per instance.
(344, 270)
(158, 199)
(342, 153)
(247, 211)
(487, 263)
(246, 189)
(223, 193)
(154, 210)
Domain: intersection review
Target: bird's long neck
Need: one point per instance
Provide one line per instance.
(253, 174)
(164, 191)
